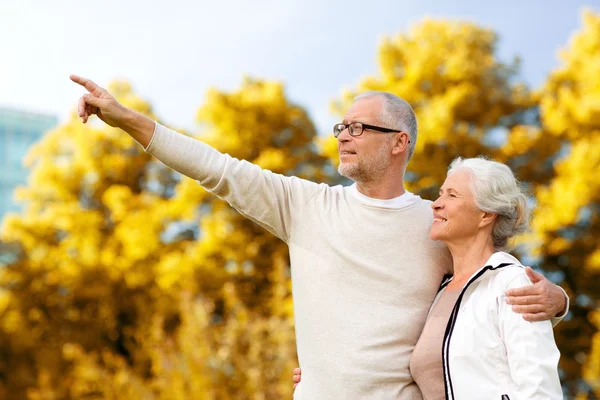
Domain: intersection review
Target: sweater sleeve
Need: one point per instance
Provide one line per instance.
(556, 320)
(273, 201)
(531, 350)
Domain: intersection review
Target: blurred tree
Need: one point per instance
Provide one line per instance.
(132, 283)
(566, 222)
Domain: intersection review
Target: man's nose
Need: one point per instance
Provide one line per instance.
(344, 136)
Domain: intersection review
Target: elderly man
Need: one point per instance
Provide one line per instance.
(364, 271)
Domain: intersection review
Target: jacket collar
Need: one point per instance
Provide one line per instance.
(495, 260)
(501, 257)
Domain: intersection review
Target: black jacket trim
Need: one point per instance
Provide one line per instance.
(450, 327)
(445, 281)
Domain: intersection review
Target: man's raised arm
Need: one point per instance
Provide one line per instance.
(272, 200)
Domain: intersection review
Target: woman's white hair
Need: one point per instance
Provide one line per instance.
(497, 191)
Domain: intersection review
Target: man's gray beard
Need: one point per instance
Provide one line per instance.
(353, 171)
(368, 170)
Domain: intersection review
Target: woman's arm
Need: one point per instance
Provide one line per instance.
(531, 350)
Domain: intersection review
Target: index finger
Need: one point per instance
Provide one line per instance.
(86, 83)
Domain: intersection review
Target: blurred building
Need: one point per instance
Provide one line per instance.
(18, 131)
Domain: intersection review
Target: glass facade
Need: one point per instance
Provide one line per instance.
(18, 131)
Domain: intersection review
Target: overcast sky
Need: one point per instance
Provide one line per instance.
(173, 51)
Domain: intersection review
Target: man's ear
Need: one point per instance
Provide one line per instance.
(487, 218)
(401, 140)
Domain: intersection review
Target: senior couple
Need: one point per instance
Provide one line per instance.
(374, 318)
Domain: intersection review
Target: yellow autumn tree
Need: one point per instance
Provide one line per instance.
(132, 282)
(567, 219)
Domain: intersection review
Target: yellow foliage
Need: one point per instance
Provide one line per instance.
(570, 99)
(576, 185)
(566, 221)
(134, 282)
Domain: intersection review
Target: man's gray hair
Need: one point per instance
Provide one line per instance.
(497, 191)
(396, 114)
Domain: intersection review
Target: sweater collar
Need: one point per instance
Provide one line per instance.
(402, 201)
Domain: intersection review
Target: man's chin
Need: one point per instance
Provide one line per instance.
(348, 171)
(343, 169)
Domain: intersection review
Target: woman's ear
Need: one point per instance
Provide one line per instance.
(487, 218)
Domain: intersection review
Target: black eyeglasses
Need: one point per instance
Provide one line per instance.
(356, 129)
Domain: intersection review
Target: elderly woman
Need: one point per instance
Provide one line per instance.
(473, 346)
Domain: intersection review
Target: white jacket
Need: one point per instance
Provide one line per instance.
(489, 351)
